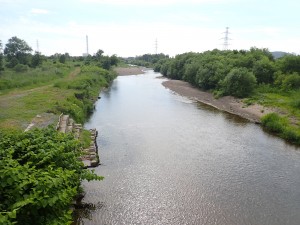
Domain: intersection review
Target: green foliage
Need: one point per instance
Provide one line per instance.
(146, 60)
(208, 70)
(263, 70)
(289, 64)
(239, 82)
(280, 126)
(62, 58)
(12, 62)
(29, 77)
(37, 59)
(20, 68)
(17, 51)
(85, 138)
(87, 85)
(291, 81)
(274, 123)
(295, 103)
(40, 176)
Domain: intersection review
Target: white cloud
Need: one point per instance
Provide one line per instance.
(39, 11)
(154, 2)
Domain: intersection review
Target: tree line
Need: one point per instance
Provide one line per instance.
(17, 54)
(146, 60)
(233, 72)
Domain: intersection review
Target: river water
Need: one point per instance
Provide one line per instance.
(169, 160)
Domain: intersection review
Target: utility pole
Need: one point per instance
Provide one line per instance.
(226, 39)
(37, 46)
(87, 45)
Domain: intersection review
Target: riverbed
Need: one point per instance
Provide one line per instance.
(167, 159)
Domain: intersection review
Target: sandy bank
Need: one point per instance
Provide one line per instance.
(229, 104)
(125, 71)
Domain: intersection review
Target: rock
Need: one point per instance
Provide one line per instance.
(94, 163)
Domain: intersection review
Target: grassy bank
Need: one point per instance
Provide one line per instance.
(286, 122)
(34, 92)
(39, 170)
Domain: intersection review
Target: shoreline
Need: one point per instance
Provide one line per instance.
(127, 71)
(228, 104)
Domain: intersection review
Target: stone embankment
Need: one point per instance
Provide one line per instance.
(65, 124)
(90, 157)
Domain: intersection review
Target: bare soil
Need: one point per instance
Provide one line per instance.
(126, 71)
(228, 103)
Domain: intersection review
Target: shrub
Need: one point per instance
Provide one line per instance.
(273, 122)
(291, 81)
(40, 176)
(21, 68)
(279, 125)
(296, 103)
(239, 82)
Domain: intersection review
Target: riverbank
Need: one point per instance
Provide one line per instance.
(228, 104)
(125, 71)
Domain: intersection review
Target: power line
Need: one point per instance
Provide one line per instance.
(226, 39)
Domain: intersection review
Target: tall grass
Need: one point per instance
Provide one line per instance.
(281, 127)
(74, 94)
(48, 72)
(86, 87)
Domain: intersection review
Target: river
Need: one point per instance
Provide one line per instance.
(169, 160)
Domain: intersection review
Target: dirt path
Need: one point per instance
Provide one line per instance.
(74, 73)
(20, 106)
(229, 104)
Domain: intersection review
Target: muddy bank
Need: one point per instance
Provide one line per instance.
(125, 71)
(229, 104)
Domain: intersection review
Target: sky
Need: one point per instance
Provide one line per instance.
(131, 27)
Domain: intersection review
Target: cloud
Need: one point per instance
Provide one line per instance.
(39, 11)
(153, 2)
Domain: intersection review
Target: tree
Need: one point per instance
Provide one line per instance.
(62, 58)
(1, 57)
(36, 59)
(17, 51)
(105, 62)
(114, 60)
(264, 70)
(289, 64)
(99, 54)
(239, 82)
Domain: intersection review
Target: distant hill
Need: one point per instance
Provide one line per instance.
(279, 54)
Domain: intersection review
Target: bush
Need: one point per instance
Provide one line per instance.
(40, 176)
(21, 68)
(239, 82)
(274, 123)
(291, 81)
(296, 103)
(279, 125)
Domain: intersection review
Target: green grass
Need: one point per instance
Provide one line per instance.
(85, 138)
(281, 126)
(288, 102)
(45, 74)
(286, 123)
(74, 93)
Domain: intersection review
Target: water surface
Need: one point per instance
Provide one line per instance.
(169, 160)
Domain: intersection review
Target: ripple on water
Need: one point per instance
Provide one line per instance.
(169, 162)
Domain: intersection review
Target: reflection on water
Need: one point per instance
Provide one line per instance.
(231, 117)
(169, 160)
